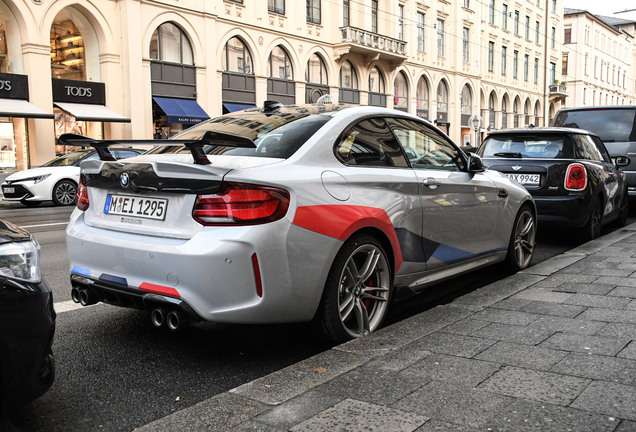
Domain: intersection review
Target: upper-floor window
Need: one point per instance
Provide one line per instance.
(554, 5)
(466, 44)
(401, 22)
(345, 13)
(526, 66)
(537, 31)
(467, 4)
(567, 35)
(491, 12)
(515, 63)
(504, 17)
(420, 32)
(527, 27)
(552, 37)
(313, 11)
(491, 56)
(170, 44)
(276, 6)
(516, 22)
(504, 60)
(440, 37)
(374, 16)
(536, 71)
(236, 57)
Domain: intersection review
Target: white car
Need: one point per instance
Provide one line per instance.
(54, 181)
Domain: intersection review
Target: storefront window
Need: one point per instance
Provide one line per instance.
(170, 44)
(67, 51)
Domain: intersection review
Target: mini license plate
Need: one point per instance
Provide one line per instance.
(8, 190)
(143, 207)
(525, 179)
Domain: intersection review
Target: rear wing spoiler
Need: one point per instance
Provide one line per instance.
(195, 146)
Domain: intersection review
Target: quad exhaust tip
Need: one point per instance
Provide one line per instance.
(158, 316)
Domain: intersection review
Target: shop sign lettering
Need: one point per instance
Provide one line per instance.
(78, 91)
(5, 85)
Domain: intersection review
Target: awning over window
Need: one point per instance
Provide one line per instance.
(21, 108)
(91, 112)
(230, 107)
(181, 110)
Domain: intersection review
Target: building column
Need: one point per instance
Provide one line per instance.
(41, 132)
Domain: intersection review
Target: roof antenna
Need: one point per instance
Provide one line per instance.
(270, 106)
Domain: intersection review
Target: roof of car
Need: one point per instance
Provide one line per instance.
(541, 130)
(598, 108)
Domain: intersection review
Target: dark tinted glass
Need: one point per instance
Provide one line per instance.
(370, 142)
(612, 125)
(527, 146)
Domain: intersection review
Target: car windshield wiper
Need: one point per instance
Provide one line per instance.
(509, 154)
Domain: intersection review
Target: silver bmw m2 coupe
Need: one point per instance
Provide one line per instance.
(289, 214)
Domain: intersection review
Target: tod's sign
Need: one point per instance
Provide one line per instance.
(84, 92)
(14, 86)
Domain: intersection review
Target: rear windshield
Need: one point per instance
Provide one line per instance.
(520, 146)
(611, 125)
(276, 135)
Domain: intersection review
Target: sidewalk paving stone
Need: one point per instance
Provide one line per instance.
(511, 354)
(463, 405)
(535, 416)
(608, 398)
(353, 415)
(451, 369)
(597, 301)
(598, 367)
(525, 335)
(535, 385)
(585, 343)
(584, 288)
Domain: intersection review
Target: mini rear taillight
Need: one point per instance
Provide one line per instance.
(82, 201)
(241, 204)
(575, 177)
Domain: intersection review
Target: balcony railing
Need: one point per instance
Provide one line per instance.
(360, 40)
(558, 90)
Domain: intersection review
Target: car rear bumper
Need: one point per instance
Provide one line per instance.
(211, 276)
(563, 211)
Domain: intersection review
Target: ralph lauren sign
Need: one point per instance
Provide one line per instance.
(84, 92)
(14, 86)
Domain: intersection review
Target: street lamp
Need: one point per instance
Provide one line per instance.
(475, 120)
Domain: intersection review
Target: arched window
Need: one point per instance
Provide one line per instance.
(236, 57)
(401, 92)
(278, 65)
(170, 44)
(316, 78)
(442, 102)
(467, 105)
(422, 98)
(515, 112)
(377, 92)
(526, 112)
(238, 80)
(349, 92)
(537, 120)
(504, 112)
(491, 111)
(68, 57)
(280, 84)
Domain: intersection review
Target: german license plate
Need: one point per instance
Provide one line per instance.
(143, 207)
(8, 190)
(525, 179)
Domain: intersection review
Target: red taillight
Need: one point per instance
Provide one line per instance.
(82, 201)
(576, 177)
(241, 204)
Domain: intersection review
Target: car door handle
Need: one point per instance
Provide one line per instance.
(502, 193)
(431, 182)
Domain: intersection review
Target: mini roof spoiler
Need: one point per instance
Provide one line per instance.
(195, 146)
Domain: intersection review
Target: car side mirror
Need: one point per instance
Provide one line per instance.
(622, 161)
(475, 164)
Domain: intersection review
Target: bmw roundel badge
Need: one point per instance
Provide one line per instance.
(123, 179)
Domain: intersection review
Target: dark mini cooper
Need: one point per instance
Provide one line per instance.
(569, 172)
(27, 320)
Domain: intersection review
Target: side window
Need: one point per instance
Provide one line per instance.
(424, 147)
(586, 148)
(601, 148)
(370, 143)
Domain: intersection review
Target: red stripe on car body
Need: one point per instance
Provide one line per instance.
(341, 221)
(159, 289)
